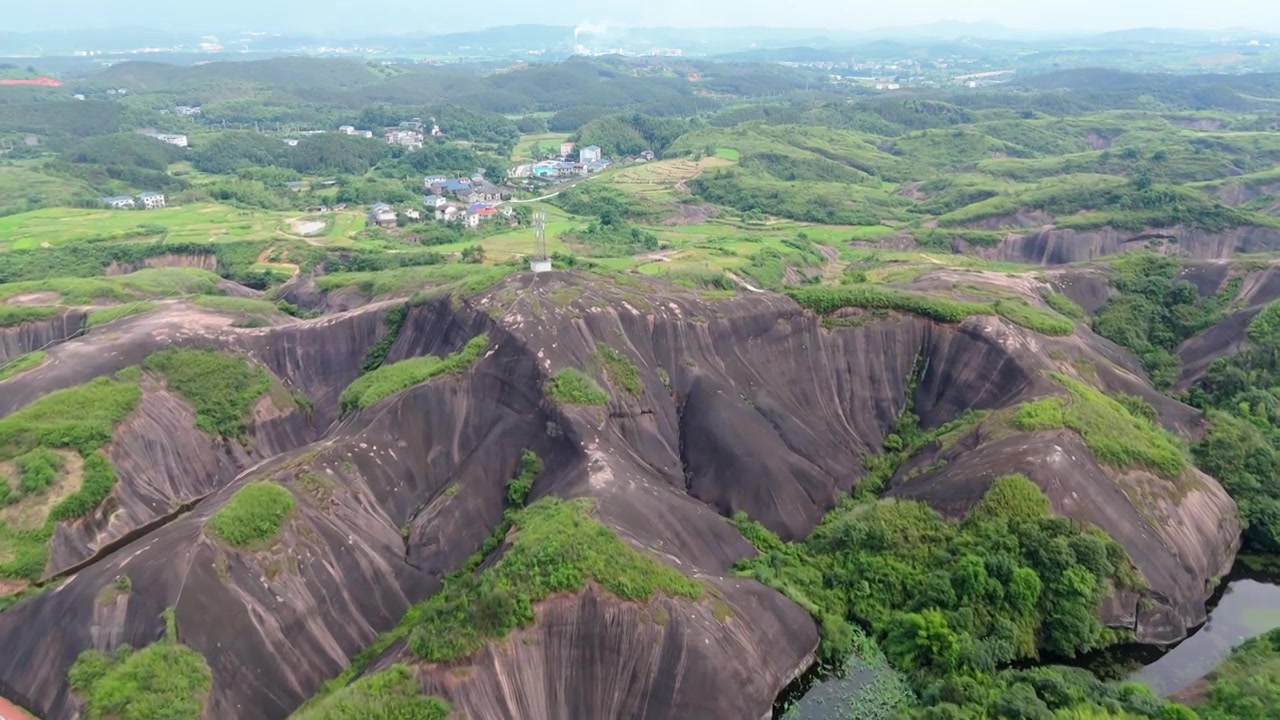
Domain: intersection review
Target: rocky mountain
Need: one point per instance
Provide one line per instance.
(712, 406)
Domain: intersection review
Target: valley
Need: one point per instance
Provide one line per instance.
(844, 405)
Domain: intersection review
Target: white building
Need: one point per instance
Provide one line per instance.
(291, 142)
(152, 200)
(175, 140)
(119, 202)
(589, 154)
(347, 129)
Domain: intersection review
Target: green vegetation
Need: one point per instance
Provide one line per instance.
(238, 305)
(163, 681)
(117, 312)
(222, 388)
(1247, 685)
(574, 387)
(826, 300)
(1242, 446)
(869, 689)
(394, 322)
(1064, 305)
(622, 373)
(1153, 312)
(22, 363)
(387, 380)
(140, 285)
(37, 469)
(11, 315)
(391, 694)
(1114, 435)
(253, 515)
(944, 597)
(557, 547)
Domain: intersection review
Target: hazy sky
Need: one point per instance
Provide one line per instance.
(396, 16)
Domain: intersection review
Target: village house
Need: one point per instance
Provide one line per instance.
(413, 214)
(291, 142)
(382, 215)
(347, 129)
(449, 213)
(119, 202)
(432, 180)
(175, 140)
(152, 200)
(590, 153)
(186, 110)
(647, 155)
(433, 202)
(479, 212)
(411, 139)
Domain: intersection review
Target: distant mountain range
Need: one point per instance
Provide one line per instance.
(525, 40)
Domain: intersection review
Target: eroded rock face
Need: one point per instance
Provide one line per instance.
(594, 656)
(742, 405)
(1060, 246)
(32, 336)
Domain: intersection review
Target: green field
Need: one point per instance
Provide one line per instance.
(189, 223)
(549, 141)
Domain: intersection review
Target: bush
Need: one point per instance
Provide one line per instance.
(1116, 436)
(21, 364)
(1020, 312)
(37, 469)
(253, 515)
(11, 315)
(826, 300)
(1064, 305)
(557, 547)
(387, 380)
(80, 418)
(572, 387)
(622, 373)
(392, 694)
(163, 681)
(222, 388)
(118, 312)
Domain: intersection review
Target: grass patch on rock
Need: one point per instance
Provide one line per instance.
(825, 300)
(556, 547)
(387, 380)
(1021, 312)
(1116, 436)
(392, 694)
(118, 312)
(571, 386)
(253, 307)
(1064, 305)
(222, 388)
(622, 373)
(163, 681)
(253, 515)
(22, 363)
(11, 315)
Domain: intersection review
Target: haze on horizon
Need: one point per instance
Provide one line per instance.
(389, 17)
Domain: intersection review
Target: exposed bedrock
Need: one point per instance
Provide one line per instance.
(38, 335)
(742, 405)
(1060, 246)
(1181, 535)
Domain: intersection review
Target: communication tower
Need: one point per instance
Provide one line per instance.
(540, 262)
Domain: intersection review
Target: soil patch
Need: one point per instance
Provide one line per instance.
(305, 227)
(30, 512)
(40, 298)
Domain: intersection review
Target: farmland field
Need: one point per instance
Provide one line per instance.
(196, 223)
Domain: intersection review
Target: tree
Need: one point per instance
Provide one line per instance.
(473, 254)
(922, 640)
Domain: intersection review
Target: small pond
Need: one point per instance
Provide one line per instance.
(1248, 608)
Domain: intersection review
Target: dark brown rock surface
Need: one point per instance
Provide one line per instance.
(743, 405)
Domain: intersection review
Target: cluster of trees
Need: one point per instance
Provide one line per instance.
(951, 603)
(631, 134)
(1154, 312)
(1242, 447)
(613, 236)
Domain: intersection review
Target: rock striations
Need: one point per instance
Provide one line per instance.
(745, 404)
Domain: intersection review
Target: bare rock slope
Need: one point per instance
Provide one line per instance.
(740, 405)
